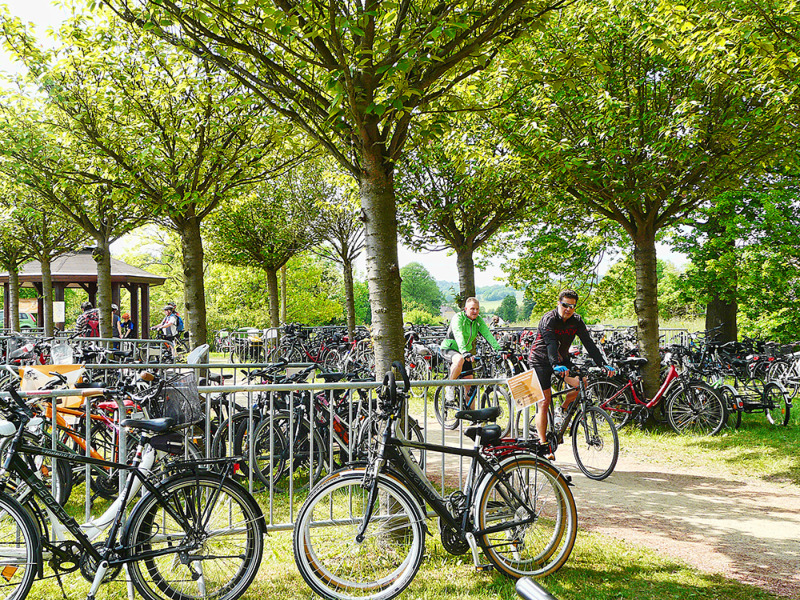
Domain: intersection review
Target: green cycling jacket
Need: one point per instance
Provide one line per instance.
(463, 332)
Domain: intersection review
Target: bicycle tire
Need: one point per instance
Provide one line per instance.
(226, 523)
(302, 456)
(777, 408)
(221, 446)
(695, 408)
(445, 409)
(333, 564)
(541, 546)
(733, 405)
(19, 549)
(618, 403)
(595, 443)
(498, 396)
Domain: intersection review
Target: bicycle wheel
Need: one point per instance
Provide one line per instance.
(595, 443)
(776, 406)
(446, 409)
(214, 549)
(19, 549)
(694, 408)
(617, 402)
(337, 566)
(499, 396)
(302, 456)
(420, 370)
(529, 516)
(733, 405)
(220, 447)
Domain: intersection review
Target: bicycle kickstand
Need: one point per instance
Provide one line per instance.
(479, 566)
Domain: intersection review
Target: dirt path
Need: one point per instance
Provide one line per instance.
(740, 527)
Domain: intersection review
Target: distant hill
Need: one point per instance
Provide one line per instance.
(488, 293)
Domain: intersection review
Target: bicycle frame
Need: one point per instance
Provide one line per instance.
(672, 376)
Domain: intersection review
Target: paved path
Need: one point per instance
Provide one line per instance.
(740, 527)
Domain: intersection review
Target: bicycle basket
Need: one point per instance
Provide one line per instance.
(180, 399)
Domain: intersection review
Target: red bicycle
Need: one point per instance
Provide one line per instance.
(691, 406)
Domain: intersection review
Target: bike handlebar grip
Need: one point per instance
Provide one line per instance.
(528, 589)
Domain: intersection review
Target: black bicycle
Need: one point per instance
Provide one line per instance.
(196, 534)
(361, 531)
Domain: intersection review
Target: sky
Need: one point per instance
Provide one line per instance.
(441, 266)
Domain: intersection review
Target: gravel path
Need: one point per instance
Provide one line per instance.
(740, 527)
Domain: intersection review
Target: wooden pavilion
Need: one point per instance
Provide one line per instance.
(78, 270)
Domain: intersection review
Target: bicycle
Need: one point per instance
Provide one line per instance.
(361, 531)
(194, 534)
(595, 442)
(445, 408)
(692, 406)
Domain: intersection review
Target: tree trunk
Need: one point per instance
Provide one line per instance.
(13, 297)
(723, 312)
(194, 291)
(466, 274)
(379, 210)
(350, 298)
(274, 298)
(283, 295)
(646, 306)
(47, 293)
(102, 257)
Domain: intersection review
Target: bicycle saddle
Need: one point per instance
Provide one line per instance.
(155, 425)
(479, 414)
(634, 361)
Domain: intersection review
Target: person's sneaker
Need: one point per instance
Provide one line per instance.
(450, 395)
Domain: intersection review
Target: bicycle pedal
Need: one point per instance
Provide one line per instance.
(484, 568)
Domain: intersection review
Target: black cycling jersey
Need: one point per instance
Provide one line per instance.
(554, 337)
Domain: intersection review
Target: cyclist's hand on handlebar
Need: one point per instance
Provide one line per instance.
(610, 370)
(561, 370)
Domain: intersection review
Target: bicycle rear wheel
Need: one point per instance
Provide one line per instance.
(595, 443)
(776, 406)
(19, 549)
(694, 408)
(215, 554)
(733, 405)
(327, 554)
(526, 517)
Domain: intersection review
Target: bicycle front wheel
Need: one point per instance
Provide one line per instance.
(445, 408)
(695, 408)
(776, 406)
(526, 516)
(19, 550)
(595, 443)
(337, 566)
(213, 533)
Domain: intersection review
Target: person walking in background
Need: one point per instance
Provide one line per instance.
(88, 322)
(125, 325)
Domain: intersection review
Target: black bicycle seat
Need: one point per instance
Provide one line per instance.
(489, 433)
(155, 425)
(634, 361)
(479, 414)
(331, 377)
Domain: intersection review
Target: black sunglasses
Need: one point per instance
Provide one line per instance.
(567, 305)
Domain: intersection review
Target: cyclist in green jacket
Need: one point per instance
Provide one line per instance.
(460, 343)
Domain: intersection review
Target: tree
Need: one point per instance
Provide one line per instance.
(352, 76)
(740, 245)
(635, 134)
(420, 290)
(49, 234)
(343, 232)
(266, 228)
(508, 309)
(456, 191)
(182, 135)
(13, 254)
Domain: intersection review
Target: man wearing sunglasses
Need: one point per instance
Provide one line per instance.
(550, 353)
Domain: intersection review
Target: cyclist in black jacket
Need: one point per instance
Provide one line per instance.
(550, 352)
